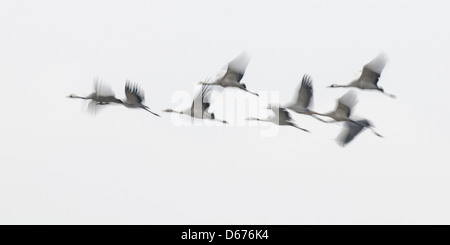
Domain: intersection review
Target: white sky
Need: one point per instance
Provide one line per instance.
(58, 165)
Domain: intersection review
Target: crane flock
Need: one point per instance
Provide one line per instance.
(368, 80)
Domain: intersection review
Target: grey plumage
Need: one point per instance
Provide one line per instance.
(343, 109)
(135, 97)
(368, 80)
(203, 98)
(200, 105)
(304, 96)
(102, 95)
(352, 129)
(234, 73)
(282, 118)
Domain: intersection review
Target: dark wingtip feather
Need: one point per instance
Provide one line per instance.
(307, 82)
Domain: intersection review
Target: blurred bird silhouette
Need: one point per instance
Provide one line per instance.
(234, 74)
(343, 109)
(304, 98)
(200, 105)
(351, 130)
(102, 95)
(281, 117)
(135, 97)
(368, 80)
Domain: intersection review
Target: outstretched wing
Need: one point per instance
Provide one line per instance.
(372, 71)
(102, 89)
(351, 130)
(369, 76)
(282, 114)
(345, 104)
(203, 98)
(305, 93)
(236, 68)
(94, 107)
(134, 94)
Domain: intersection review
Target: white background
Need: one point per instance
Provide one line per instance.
(59, 165)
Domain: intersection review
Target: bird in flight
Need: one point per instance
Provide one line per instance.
(343, 109)
(135, 97)
(281, 117)
(102, 95)
(351, 130)
(342, 114)
(368, 80)
(304, 98)
(234, 74)
(200, 105)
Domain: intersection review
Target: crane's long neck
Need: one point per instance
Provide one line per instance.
(74, 96)
(118, 101)
(173, 111)
(259, 119)
(215, 82)
(330, 115)
(338, 86)
(313, 114)
(91, 96)
(310, 112)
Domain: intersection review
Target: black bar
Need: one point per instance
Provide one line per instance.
(228, 234)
